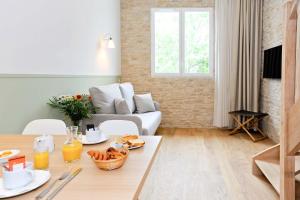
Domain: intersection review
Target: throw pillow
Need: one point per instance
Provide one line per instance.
(144, 103)
(122, 107)
(104, 97)
(128, 93)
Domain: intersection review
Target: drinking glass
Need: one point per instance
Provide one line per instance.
(41, 154)
(72, 148)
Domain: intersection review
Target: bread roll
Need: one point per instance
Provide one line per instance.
(136, 142)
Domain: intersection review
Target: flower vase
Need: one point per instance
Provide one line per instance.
(78, 124)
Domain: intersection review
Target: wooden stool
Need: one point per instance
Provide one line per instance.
(246, 121)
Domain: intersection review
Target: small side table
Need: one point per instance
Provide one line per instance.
(248, 121)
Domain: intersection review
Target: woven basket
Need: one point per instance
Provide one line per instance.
(111, 164)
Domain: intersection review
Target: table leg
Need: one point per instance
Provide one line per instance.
(238, 127)
(254, 124)
(241, 125)
(246, 130)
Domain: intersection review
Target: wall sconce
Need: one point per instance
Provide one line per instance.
(109, 42)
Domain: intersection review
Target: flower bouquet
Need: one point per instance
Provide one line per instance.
(76, 107)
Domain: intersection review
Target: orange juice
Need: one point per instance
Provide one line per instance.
(72, 148)
(41, 160)
(79, 146)
(72, 151)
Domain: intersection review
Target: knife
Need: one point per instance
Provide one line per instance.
(59, 188)
(48, 189)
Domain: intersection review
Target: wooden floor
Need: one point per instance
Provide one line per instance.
(206, 164)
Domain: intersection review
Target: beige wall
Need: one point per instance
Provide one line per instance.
(185, 102)
(59, 37)
(271, 88)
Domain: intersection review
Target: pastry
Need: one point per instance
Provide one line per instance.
(110, 154)
(136, 142)
(126, 138)
(5, 153)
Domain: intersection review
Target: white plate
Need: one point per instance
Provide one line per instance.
(102, 138)
(131, 148)
(14, 153)
(117, 145)
(40, 178)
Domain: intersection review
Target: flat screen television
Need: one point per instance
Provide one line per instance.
(273, 62)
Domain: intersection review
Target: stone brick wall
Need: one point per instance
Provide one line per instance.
(271, 88)
(188, 102)
(185, 102)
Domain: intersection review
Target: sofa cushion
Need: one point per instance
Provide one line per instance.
(150, 122)
(144, 103)
(127, 92)
(156, 105)
(122, 107)
(104, 96)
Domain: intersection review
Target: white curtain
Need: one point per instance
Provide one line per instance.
(238, 57)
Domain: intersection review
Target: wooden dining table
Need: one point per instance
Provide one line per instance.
(124, 183)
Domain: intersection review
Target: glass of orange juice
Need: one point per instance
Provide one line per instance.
(72, 148)
(41, 154)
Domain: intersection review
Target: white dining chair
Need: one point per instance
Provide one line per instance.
(45, 127)
(118, 127)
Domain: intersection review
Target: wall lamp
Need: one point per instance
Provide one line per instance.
(109, 41)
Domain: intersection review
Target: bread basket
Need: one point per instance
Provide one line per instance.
(109, 165)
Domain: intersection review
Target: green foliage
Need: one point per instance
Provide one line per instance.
(167, 51)
(197, 42)
(76, 107)
(167, 59)
(167, 43)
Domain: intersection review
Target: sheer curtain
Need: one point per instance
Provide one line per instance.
(238, 57)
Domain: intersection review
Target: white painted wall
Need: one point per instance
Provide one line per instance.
(58, 37)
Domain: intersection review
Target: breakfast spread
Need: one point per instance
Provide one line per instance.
(20, 176)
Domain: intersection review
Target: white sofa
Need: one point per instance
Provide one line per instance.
(104, 96)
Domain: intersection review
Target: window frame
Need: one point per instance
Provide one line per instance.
(182, 72)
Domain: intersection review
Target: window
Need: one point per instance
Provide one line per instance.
(182, 41)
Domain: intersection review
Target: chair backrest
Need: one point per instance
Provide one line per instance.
(118, 127)
(45, 126)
